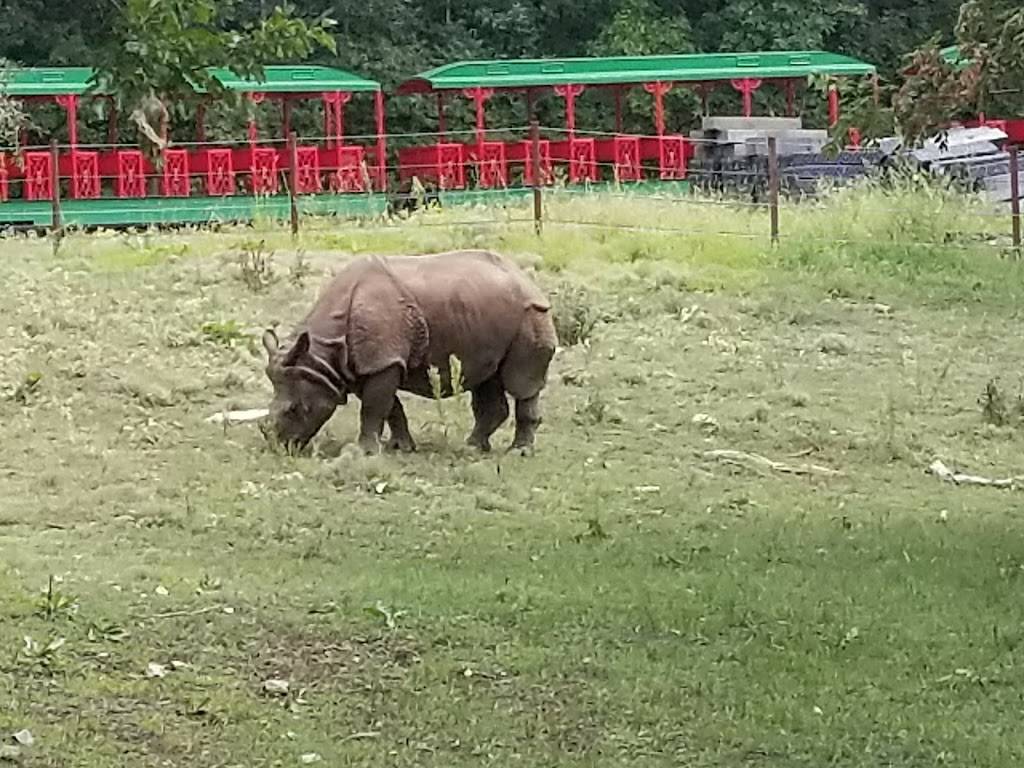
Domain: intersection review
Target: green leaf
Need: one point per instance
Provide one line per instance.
(163, 47)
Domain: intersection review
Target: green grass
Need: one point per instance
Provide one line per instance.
(617, 599)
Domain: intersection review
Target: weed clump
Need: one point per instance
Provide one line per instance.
(256, 266)
(997, 409)
(575, 315)
(299, 270)
(54, 603)
(225, 334)
(27, 389)
(595, 410)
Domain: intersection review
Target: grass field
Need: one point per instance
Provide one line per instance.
(622, 597)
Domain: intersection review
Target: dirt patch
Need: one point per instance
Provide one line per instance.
(311, 661)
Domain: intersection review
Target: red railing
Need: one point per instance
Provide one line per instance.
(628, 157)
(211, 170)
(218, 170)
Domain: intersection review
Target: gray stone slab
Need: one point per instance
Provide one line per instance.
(751, 123)
(998, 188)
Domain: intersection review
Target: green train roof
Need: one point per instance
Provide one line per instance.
(297, 79)
(631, 70)
(47, 81)
(60, 81)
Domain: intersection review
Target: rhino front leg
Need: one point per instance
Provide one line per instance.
(401, 439)
(378, 401)
(490, 409)
(527, 420)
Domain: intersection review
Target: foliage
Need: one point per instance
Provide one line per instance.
(991, 37)
(987, 79)
(866, 108)
(225, 333)
(783, 24)
(933, 93)
(159, 52)
(151, 52)
(888, 30)
(255, 265)
(575, 314)
(12, 114)
(389, 39)
(639, 29)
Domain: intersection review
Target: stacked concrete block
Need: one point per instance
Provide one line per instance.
(726, 138)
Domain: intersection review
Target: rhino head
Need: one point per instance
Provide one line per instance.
(308, 386)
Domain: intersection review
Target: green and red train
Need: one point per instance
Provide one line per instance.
(200, 181)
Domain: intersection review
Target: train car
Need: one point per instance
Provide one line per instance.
(198, 181)
(587, 156)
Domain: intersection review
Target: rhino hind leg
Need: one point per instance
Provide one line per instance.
(490, 409)
(401, 439)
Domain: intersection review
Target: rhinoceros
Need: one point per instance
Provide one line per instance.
(383, 323)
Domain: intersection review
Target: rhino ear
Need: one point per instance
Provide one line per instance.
(270, 343)
(298, 350)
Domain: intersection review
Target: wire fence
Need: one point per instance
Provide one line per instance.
(369, 186)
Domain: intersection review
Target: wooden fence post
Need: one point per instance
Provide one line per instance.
(1015, 197)
(56, 222)
(538, 203)
(293, 177)
(773, 187)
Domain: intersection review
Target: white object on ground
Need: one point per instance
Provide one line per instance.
(238, 417)
(758, 462)
(25, 738)
(276, 687)
(943, 472)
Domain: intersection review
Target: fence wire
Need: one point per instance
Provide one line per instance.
(745, 187)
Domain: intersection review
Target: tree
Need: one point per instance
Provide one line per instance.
(151, 51)
(160, 51)
(986, 76)
(934, 92)
(568, 26)
(754, 25)
(53, 32)
(990, 34)
(12, 115)
(867, 108)
(509, 28)
(887, 30)
(639, 28)
(642, 28)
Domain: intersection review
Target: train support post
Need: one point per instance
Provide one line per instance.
(293, 180)
(56, 222)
